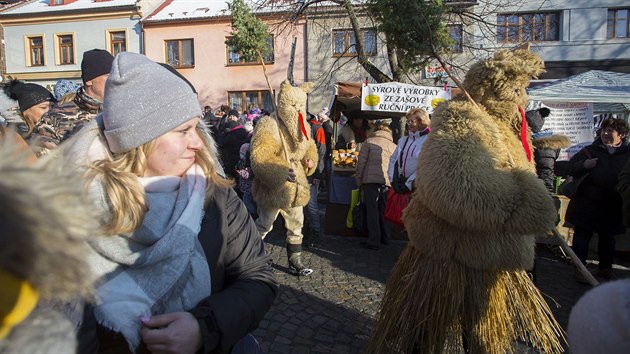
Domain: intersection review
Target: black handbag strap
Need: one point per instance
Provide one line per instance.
(400, 157)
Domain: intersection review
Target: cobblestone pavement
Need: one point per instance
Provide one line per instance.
(331, 311)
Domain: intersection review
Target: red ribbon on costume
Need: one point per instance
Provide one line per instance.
(528, 151)
(301, 118)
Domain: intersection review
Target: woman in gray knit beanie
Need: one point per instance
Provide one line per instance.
(180, 263)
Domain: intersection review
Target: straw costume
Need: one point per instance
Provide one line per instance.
(280, 145)
(471, 222)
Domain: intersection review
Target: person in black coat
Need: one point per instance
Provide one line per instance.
(229, 146)
(597, 206)
(327, 125)
(546, 146)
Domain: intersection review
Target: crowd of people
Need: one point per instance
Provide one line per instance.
(182, 199)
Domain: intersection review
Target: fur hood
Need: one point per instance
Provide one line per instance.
(498, 83)
(45, 222)
(279, 145)
(292, 110)
(552, 142)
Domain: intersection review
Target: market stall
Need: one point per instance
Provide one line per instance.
(578, 104)
(371, 101)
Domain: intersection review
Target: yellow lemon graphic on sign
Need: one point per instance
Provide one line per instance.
(372, 100)
(436, 101)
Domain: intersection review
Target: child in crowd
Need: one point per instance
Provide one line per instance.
(245, 178)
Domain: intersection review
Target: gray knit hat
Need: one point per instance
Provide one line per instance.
(143, 100)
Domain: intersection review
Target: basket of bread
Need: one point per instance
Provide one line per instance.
(344, 159)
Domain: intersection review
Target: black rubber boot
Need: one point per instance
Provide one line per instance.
(294, 253)
(311, 238)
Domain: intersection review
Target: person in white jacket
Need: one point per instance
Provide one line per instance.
(405, 157)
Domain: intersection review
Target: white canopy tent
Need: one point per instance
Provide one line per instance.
(608, 91)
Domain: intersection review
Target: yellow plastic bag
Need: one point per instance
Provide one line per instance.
(356, 197)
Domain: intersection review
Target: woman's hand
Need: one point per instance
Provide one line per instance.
(590, 163)
(171, 333)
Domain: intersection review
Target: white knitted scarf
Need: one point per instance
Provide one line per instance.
(161, 267)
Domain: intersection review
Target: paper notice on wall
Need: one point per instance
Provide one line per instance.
(574, 120)
(399, 97)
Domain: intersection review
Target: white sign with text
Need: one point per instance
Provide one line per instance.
(399, 97)
(574, 120)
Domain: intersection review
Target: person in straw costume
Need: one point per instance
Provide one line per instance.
(461, 280)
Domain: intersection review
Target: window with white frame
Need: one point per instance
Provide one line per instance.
(344, 43)
(65, 49)
(117, 42)
(36, 50)
(234, 57)
(240, 100)
(535, 27)
(180, 53)
(618, 24)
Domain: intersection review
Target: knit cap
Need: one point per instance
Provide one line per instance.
(323, 115)
(96, 62)
(27, 95)
(600, 320)
(143, 101)
(64, 86)
(235, 113)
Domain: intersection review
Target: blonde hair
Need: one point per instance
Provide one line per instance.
(126, 196)
(420, 114)
(68, 97)
(380, 126)
(417, 113)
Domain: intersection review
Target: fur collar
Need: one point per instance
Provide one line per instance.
(552, 142)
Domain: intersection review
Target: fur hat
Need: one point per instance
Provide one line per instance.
(600, 320)
(28, 95)
(64, 86)
(143, 100)
(536, 118)
(96, 62)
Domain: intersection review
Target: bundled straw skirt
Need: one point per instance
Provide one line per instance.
(432, 306)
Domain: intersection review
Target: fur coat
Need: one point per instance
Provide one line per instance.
(478, 200)
(272, 138)
(45, 222)
(472, 222)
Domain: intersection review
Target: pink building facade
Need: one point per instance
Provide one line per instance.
(197, 49)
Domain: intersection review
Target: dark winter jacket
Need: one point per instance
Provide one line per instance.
(596, 204)
(328, 133)
(546, 146)
(546, 152)
(63, 121)
(318, 135)
(243, 284)
(230, 145)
